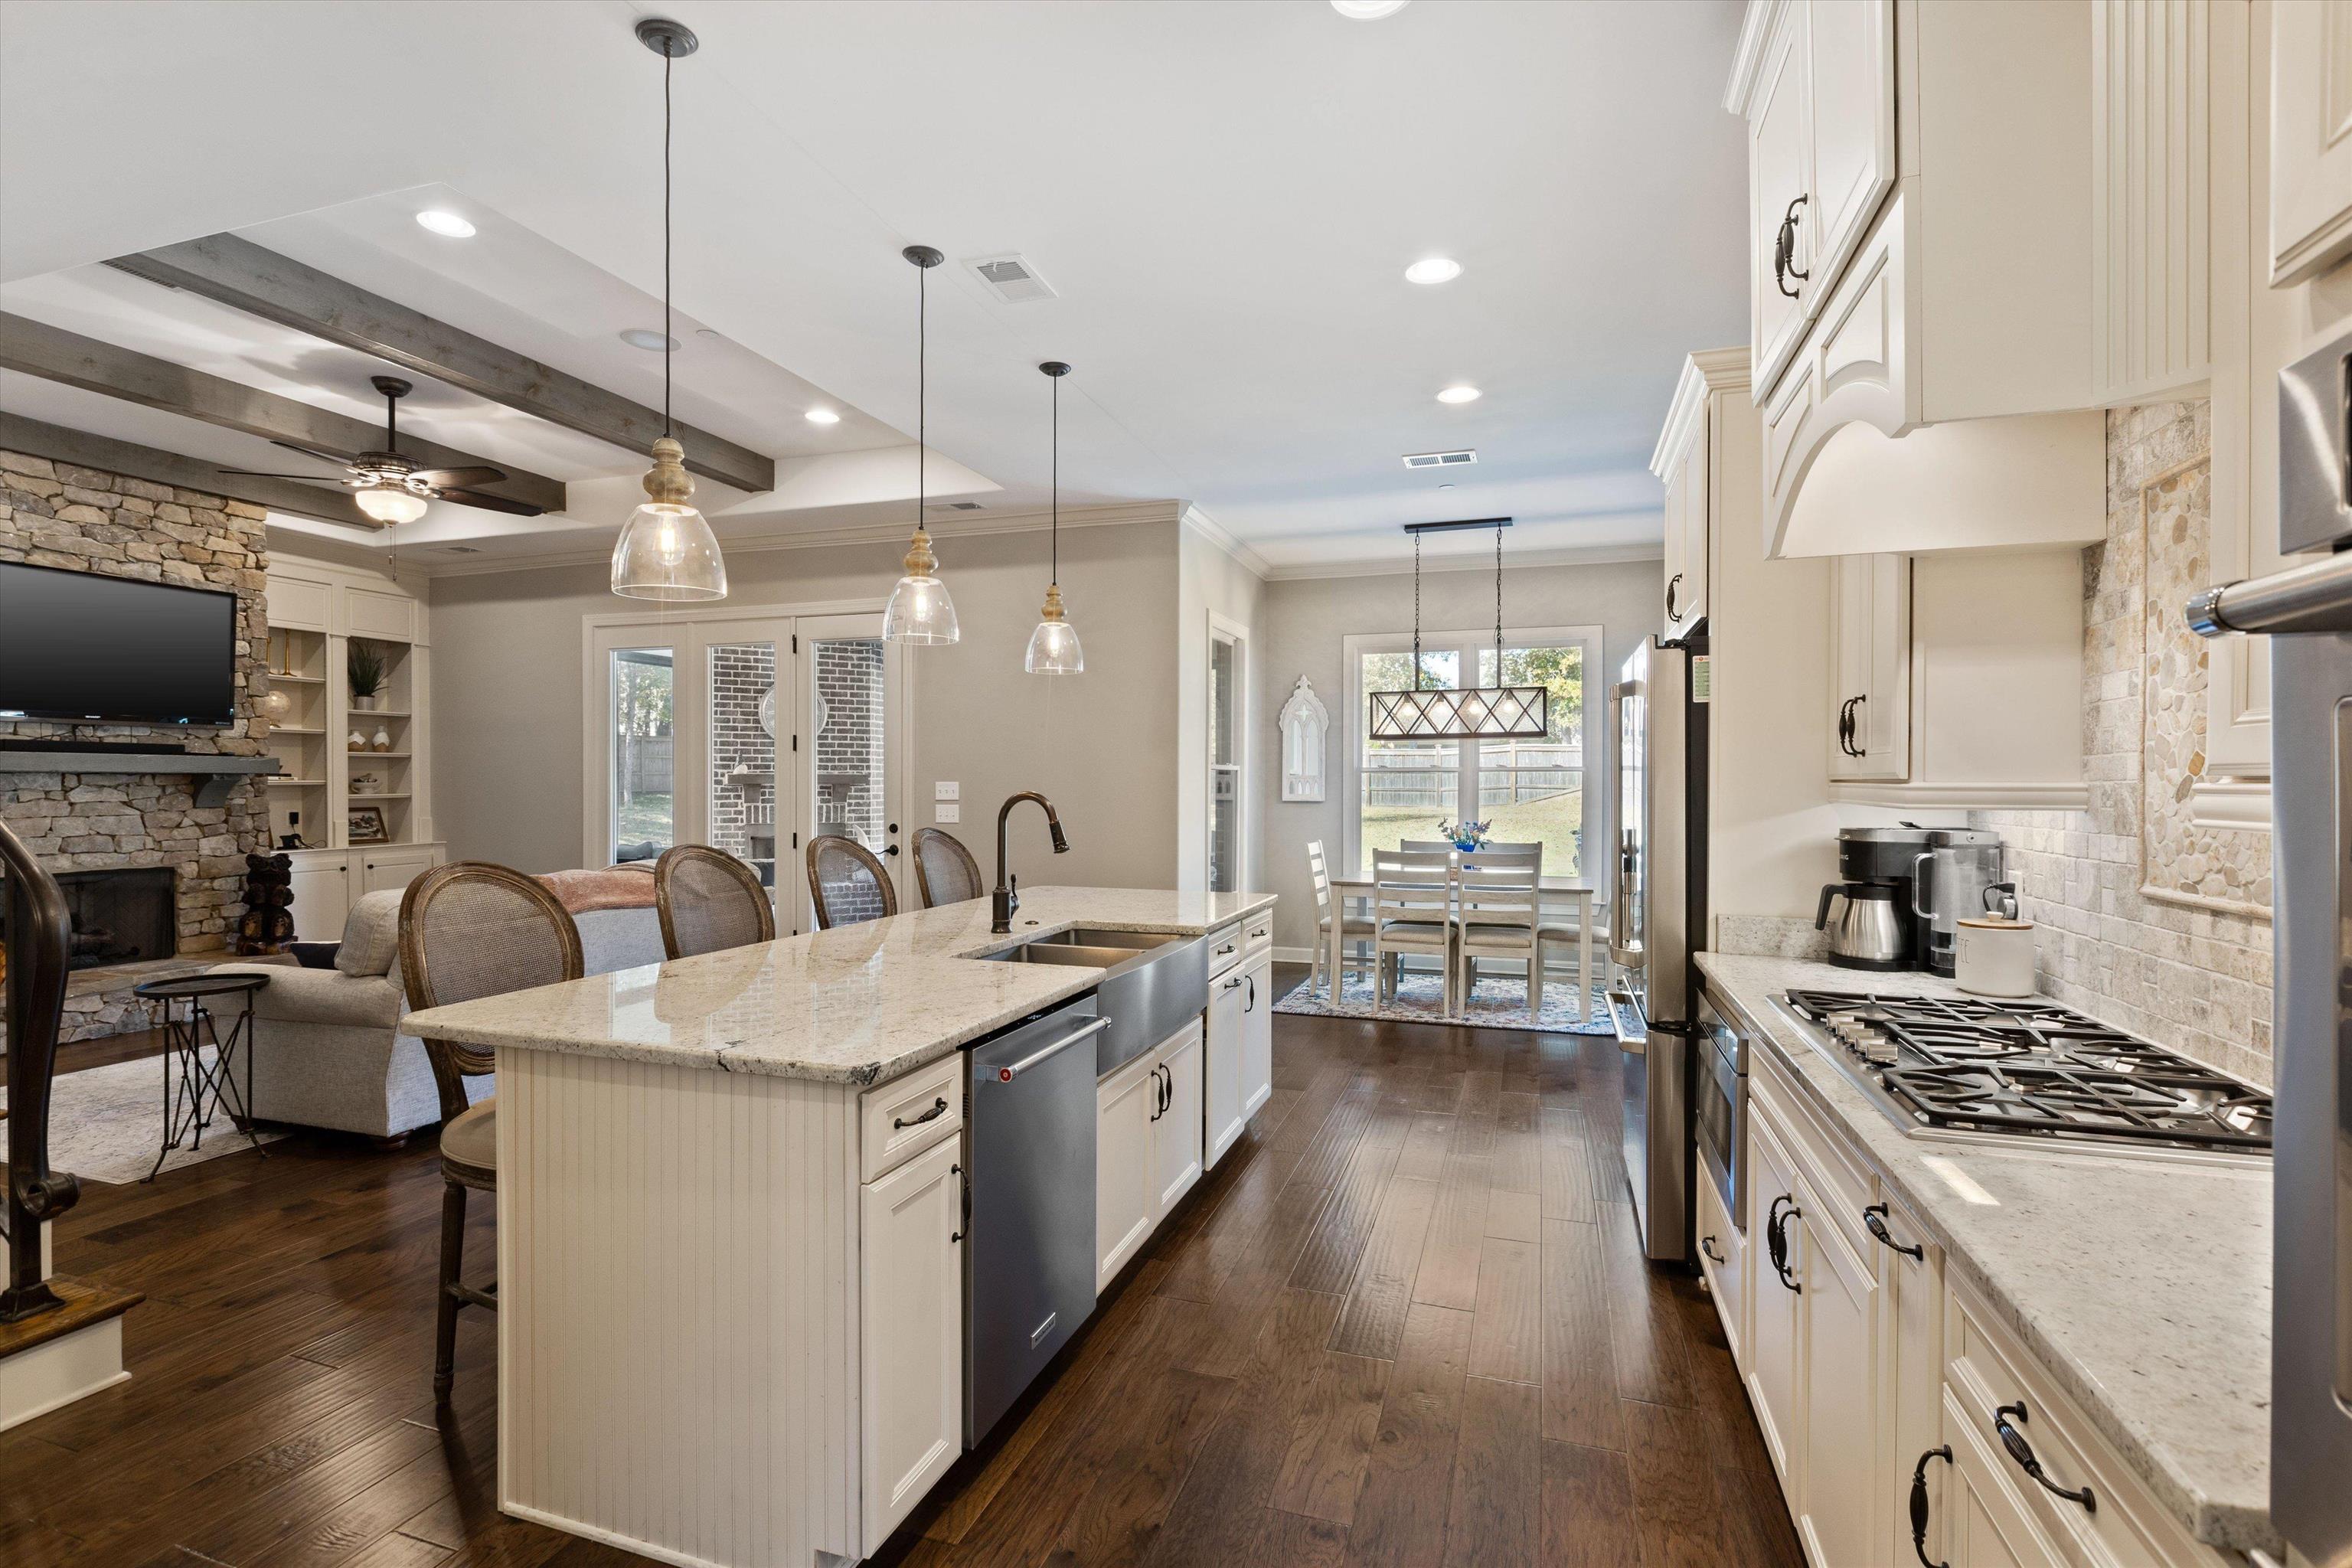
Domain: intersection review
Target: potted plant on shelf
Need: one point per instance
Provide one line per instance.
(367, 672)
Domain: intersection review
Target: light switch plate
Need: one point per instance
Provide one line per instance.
(946, 789)
(943, 812)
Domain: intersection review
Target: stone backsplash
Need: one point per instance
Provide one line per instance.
(2148, 920)
(54, 514)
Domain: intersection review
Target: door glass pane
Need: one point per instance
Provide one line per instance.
(1225, 767)
(644, 753)
(846, 719)
(743, 752)
(1405, 788)
(1533, 791)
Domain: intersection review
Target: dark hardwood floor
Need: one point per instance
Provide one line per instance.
(1405, 1322)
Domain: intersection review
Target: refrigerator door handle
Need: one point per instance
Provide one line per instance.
(2312, 598)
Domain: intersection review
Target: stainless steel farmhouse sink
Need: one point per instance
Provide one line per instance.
(1153, 982)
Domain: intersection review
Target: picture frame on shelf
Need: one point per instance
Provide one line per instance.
(365, 825)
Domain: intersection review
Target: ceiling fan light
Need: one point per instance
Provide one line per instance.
(390, 503)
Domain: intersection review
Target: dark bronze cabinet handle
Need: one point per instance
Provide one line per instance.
(1672, 584)
(939, 1109)
(1919, 1503)
(1251, 1006)
(1784, 252)
(1874, 1218)
(1845, 727)
(1707, 1245)
(1775, 1238)
(2022, 1452)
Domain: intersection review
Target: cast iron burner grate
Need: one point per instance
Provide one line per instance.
(2033, 1068)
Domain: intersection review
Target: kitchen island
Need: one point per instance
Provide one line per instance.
(730, 1191)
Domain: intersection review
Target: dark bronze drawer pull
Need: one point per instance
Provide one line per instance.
(1919, 1503)
(2022, 1452)
(939, 1109)
(1874, 1218)
(1707, 1245)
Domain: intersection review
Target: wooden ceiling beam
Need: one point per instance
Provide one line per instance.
(239, 273)
(39, 439)
(52, 354)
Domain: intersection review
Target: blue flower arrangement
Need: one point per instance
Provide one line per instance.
(1466, 834)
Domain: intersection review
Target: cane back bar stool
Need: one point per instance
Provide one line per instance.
(708, 899)
(945, 872)
(848, 882)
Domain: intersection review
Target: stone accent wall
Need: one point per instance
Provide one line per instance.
(2149, 921)
(54, 514)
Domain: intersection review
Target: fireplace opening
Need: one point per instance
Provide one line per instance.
(119, 917)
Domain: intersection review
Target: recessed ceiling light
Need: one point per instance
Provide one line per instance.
(1459, 395)
(823, 416)
(648, 339)
(1434, 270)
(1368, 10)
(446, 224)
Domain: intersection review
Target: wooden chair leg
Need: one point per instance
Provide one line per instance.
(452, 1254)
(1535, 985)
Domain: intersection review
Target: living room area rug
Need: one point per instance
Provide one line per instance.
(1494, 1004)
(106, 1123)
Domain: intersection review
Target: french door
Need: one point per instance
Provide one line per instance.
(749, 731)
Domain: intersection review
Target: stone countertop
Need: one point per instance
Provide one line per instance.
(2144, 1286)
(854, 1005)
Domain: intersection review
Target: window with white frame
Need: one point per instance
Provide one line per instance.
(1525, 791)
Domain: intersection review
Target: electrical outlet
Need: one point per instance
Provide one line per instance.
(946, 789)
(943, 812)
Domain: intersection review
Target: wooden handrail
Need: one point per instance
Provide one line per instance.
(39, 931)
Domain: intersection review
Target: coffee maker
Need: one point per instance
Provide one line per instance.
(1957, 867)
(1878, 928)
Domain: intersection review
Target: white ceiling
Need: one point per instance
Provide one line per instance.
(1224, 192)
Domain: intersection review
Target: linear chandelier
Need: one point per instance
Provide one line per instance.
(1495, 713)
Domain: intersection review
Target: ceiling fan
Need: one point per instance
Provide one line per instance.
(391, 487)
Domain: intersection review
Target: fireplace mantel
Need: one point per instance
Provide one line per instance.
(218, 774)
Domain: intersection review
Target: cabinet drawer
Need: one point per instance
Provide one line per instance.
(909, 1114)
(1845, 1186)
(1986, 1371)
(1257, 936)
(1723, 1258)
(1225, 946)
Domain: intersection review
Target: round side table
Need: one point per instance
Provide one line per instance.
(191, 1005)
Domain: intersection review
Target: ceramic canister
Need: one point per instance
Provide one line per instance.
(1993, 956)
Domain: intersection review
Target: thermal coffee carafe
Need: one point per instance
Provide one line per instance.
(1950, 881)
(1875, 928)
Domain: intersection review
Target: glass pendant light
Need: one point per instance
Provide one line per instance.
(919, 610)
(666, 550)
(1054, 646)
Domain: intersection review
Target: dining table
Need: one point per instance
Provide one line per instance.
(1561, 897)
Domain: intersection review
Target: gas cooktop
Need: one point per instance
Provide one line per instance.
(2032, 1070)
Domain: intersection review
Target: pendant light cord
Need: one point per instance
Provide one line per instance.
(1416, 610)
(1056, 573)
(922, 387)
(669, 338)
(1498, 605)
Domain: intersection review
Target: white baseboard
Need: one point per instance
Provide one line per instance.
(1294, 955)
(56, 1373)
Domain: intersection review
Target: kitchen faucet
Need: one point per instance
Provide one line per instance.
(1006, 898)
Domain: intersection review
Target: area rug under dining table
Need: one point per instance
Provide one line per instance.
(1497, 1004)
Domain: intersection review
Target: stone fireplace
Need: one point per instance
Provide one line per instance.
(121, 840)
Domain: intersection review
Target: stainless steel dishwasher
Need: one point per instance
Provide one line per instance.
(1029, 1241)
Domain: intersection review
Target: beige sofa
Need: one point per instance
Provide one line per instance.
(328, 1050)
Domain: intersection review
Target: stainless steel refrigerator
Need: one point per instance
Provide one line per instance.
(1658, 919)
(2307, 610)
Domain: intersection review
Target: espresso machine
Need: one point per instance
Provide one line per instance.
(1958, 867)
(1878, 928)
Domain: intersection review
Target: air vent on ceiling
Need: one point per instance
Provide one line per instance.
(955, 506)
(460, 550)
(1439, 459)
(1014, 279)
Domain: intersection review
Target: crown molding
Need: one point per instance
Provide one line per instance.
(1583, 555)
(1119, 514)
(1705, 371)
(1249, 560)
(1747, 57)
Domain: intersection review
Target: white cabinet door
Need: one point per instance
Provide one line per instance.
(1980, 1518)
(1911, 1292)
(1227, 1109)
(1687, 536)
(1780, 175)
(1870, 660)
(2311, 154)
(1850, 83)
(1843, 1466)
(1124, 1207)
(1723, 1258)
(1773, 1322)
(1176, 1121)
(322, 898)
(910, 1294)
(394, 869)
(1257, 1036)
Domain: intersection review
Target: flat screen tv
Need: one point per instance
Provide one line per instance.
(76, 645)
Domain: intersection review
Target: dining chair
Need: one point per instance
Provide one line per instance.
(848, 882)
(1413, 913)
(945, 872)
(708, 899)
(1332, 954)
(467, 930)
(1499, 911)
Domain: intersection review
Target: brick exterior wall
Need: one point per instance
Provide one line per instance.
(850, 747)
(742, 674)
(54, 514)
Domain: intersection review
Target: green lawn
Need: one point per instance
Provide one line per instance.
(1553, 820)
(646, 816)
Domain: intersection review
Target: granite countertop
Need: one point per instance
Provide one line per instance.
(854, 1005)
(2143, 1286)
